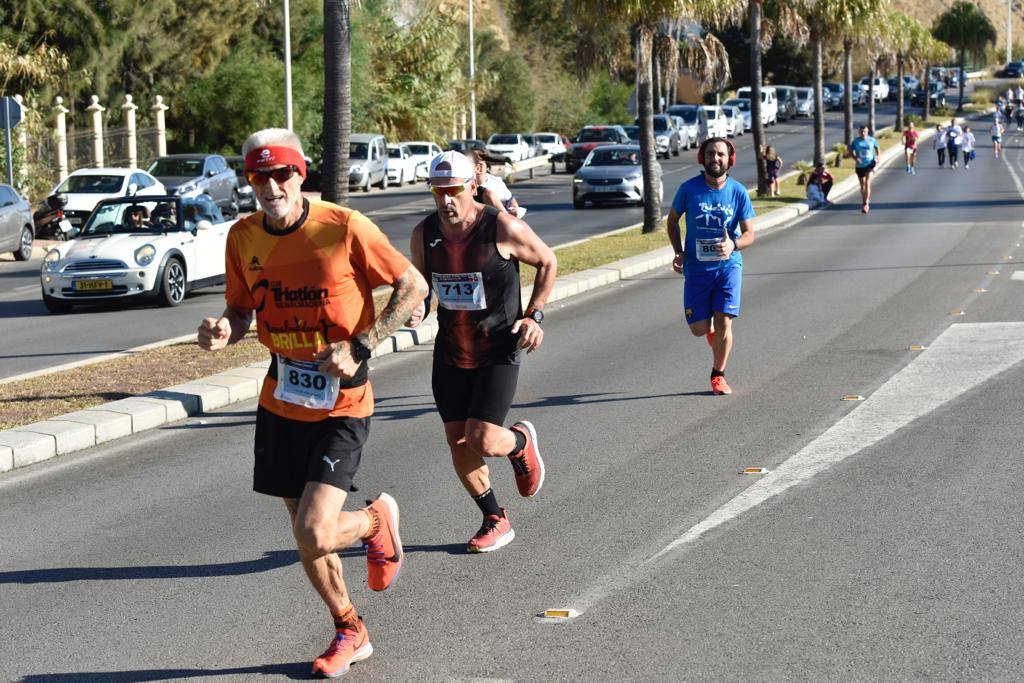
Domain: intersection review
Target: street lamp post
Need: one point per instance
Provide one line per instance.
(472, 84)
(287, 68)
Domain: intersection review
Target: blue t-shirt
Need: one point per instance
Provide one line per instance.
(709, 212)
(863, 150)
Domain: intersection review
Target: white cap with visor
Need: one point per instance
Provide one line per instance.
(451, 165)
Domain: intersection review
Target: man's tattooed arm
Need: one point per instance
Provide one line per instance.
(410, 290)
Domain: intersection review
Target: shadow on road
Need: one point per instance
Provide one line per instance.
(23, 309)
(296, 671)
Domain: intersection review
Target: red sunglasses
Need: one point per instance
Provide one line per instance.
(280, 175)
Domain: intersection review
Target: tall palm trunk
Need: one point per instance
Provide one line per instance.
(848, 95)
(871, 99)
(656, 86)
(899, 93)
(755, 96)
(819, 101)
(927, 91)
(960, 79)
(648, 152)
(673, 62)
(337, 101)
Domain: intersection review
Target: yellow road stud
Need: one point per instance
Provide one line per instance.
(754, 470)
(918, 347)
(853, 397)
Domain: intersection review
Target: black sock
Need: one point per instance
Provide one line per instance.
(717, 373)
(520, 442)
(487, 503)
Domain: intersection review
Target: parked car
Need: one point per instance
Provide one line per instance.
(611, 174)
(551, 142)
(804, 101)
(769, 103)
(16, 227)
(633, 132)
(510, 146)
(666, 138)
(72, 200)
(174, 245)
(692, 117)
(246, 195)
(786, 95)
(937, 94)
(190, 175)
(464, 145)
(837, 93)
(402, 165)
(368, 161)
(881, 88)
(742, 106)
(734, 120)
(910, 81)
(590, 137)
(714, 124)
(1011, 70)
(422, 152)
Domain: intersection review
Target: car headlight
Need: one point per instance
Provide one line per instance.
(636, 175)
(662, 139)
(51, 260)
(144, 254)
(577, 180)
(187, 188)
(357, 169)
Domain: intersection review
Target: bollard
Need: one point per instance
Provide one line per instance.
(96, 109)
(161, 129)
(129, 122)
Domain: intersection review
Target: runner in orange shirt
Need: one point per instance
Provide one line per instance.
(307, 268)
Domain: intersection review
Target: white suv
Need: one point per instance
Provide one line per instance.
(881, 88)
(717, 126)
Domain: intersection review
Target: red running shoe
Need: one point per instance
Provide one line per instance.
(384, 549)
(719, 387)
(349, 645)
(496, 532)
(527, 463)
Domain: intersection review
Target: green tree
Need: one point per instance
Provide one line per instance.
(966, 28)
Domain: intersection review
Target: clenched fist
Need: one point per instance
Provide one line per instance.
(214, 333)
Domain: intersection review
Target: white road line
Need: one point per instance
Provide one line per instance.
(961, 358)
(1017, 275)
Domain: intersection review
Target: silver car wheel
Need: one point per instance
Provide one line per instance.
(175, 281)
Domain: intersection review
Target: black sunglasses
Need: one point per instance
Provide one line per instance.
(280, 175)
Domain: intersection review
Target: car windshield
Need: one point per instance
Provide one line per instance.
(358, 150)
(120, 218)
(660, 124)
(92, 184)
(546, 138)
(394, 152)
(504, 140)
(597, 135)
(688, 115)
(614, 157)
(744, 105)
(632, 131)
(419, 149)
(176, 167)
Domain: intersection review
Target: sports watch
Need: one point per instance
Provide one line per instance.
(535, 315)
(360, 351)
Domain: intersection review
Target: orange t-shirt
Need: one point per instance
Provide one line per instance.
(311, 286)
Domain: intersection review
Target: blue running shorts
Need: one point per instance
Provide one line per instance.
(715, 291)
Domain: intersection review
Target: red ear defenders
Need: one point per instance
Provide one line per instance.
(711, 141)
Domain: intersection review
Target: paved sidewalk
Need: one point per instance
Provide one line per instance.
(84, 429)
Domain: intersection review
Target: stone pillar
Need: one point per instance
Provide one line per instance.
(60, 112)
(158, 110)
(23, 141)
(129, 123)
(96, 109)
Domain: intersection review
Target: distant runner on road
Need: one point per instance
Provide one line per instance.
(864, 149)
(471, 254)
(308, 268)
(910, 136)
(718, 213)
(997, 136)
(939, 141)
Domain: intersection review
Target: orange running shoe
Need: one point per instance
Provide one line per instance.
(719, 387)
(384, 549)
(527, 463)
(496, 532)
(349, 645)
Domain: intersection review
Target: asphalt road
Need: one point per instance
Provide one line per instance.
(884, 544)
(34, 339)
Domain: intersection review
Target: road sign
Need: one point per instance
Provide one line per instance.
(10, 110)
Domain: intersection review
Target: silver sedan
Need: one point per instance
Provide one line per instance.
(611, 174)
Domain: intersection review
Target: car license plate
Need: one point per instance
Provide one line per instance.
(93, 285)
(613, 188)
(65, 225)
(75, 221)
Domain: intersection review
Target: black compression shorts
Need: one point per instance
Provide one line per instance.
(483, 393)
(863, 171)
(290, 453)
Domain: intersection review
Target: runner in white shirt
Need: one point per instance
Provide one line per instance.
(968, 146)
(492, 190)
(997, 135)
(940, 143)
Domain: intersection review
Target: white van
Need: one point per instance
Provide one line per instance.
(769, 103)
(368, 161)
(715, 125)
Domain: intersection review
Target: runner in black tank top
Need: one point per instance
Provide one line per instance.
(470, 254)
(469, 338)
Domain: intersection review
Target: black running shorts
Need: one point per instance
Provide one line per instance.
(863, 171)
(483, 393)
(290, 453)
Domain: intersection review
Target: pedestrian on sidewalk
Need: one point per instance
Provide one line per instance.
(471, 253)
(910, 136)
(864, 149)
(718, 213)
(773, 165)
(316, 317)
(939, 141)
(954, 138)
(968, 147)
(997, 135)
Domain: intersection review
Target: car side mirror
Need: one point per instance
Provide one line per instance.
(204, 225)
(211, 173)
(132, 189)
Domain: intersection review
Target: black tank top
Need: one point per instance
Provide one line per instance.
(479, 297)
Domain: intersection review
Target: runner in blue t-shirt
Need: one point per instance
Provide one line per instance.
(718, 213)
(864, 149)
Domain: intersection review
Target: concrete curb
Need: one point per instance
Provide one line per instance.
(83, 429)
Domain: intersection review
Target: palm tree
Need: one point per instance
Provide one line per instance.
(337, 101)
(966, 28)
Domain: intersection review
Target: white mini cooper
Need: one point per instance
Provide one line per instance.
(138, 248)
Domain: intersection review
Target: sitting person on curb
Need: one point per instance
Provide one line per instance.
(819, 184)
